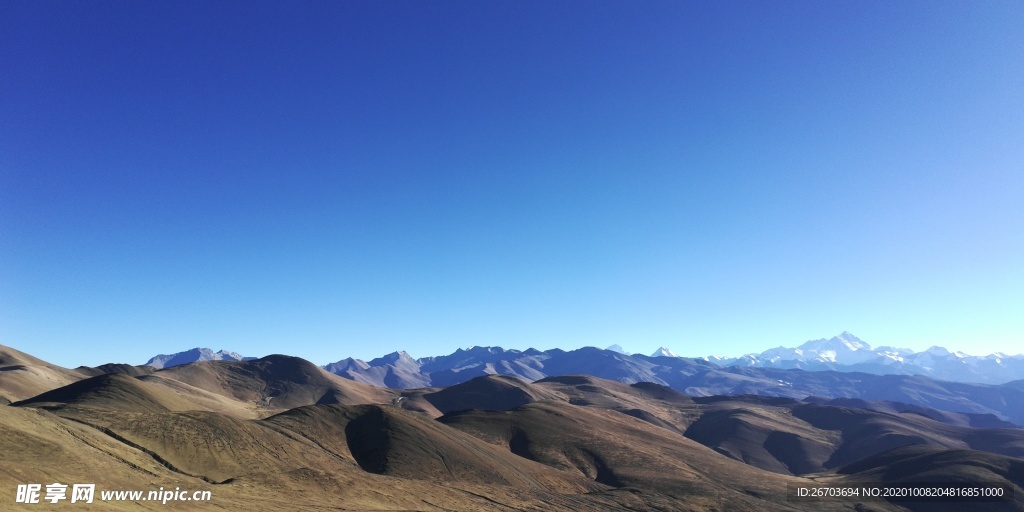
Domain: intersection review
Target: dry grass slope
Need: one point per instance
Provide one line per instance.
(276, 383)
(280, 433)
(625, 452)
(23, 376)
(923, 463)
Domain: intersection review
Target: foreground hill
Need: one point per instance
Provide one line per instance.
(112, 391)
(241, 389)
(378, 457)
(269, 465)
(39, 447)
(23, 376)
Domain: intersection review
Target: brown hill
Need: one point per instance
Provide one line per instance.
(127, 369)
(111, 391)
(588, 390)
(276, 383)
(383, 457)
(653, 403)
(562, 443)
(922, 463)
(777, 434)
(625, 452)
(148, 393)
(257, 466)
(240, 389)
(361, 458)
(494, 392)
(766, 437)
(23, 376)
(389, 441)
(39, 447)
(962, 419)
(793, 437)
(203, 400)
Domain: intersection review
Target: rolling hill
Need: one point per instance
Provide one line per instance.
(281, 433)
(23, 376)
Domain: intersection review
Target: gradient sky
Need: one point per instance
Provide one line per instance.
(334, 179)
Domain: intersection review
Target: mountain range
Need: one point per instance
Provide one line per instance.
(699, 376)
(843, 353)
(694, 377)
(282, 433)
(849, 353)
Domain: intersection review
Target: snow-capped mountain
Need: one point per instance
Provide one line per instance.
(843, 353)
(395, 370)
(401, 371)
(900, 375)
(191, 356)
(699, 376)
(617, 348)
(849, 353)
(664, 352)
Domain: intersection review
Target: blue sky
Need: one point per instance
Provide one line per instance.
(336, 179)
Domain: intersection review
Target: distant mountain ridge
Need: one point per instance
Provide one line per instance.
(842, 353)
(837, 368)
(848, 353)
(692, 376)
(192, 356)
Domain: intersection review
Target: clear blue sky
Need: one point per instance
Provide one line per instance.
(333, 179)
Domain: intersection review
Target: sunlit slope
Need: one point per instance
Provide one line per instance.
(280, 433)
(331, 457)
(625, 452)
(241, 389)
(497, 392)
(276, 382)
(387, 440)
(23, 376)
(275, 470)
(653, 403)
(112, 391)
(38, 447)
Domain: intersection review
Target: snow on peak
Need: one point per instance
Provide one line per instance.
(396, 357)
(842, 349)
(663, 352)
(193, 355)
